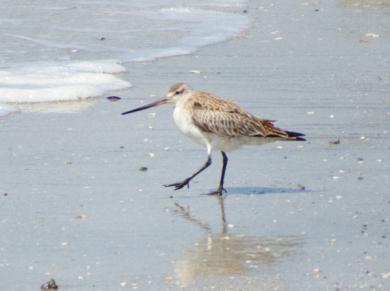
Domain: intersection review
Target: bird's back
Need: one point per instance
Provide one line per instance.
(215, 115)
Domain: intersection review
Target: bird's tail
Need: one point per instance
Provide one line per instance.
(295, 135)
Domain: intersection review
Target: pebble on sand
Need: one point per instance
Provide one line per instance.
(50, 285)
(335, 141)
(113, 98)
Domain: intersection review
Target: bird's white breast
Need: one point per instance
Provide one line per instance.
(183, 120)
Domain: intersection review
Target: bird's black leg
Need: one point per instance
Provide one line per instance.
(186, 181)
(220, 189)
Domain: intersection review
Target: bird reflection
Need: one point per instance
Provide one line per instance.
(227, 257)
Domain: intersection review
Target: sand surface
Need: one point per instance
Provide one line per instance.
(75, 206)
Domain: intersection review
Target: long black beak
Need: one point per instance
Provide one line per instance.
(155, 103)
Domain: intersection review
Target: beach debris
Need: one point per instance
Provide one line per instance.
(113, 98)
(68, 162)
(5, 194)
(360, 178)
(50, 285)
(81, 216)
(301, 187)
(316, 272)
(386, 275)
(371, 35)
(364, 228)
(102, 38)
(195, 72)
(143, 169)
(245, 11)
(335, 141)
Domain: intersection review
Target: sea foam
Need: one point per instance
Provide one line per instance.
(54, 51)
(42, 82)
(6, 109)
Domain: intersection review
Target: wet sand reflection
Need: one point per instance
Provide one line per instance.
(228, 260)
(56, 107)
(365, 3)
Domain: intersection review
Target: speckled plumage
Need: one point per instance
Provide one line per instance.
(218, 124)
(226, 119)
(223, 124)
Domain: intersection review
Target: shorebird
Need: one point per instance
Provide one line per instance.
(218, 124)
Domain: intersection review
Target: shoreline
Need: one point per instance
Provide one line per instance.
(76, 206)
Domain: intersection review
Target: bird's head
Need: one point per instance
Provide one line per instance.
(174, 93)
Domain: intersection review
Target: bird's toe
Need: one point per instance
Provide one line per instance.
(179, 185)
(219, 192)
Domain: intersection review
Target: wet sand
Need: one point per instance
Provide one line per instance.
(75, 206)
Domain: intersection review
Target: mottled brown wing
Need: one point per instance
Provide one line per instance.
(227, 119)
(224, 123)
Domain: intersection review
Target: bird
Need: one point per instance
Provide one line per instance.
(218, 124)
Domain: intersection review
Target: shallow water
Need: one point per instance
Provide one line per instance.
(44, 44)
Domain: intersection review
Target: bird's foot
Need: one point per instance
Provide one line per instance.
(180, 185)
(219, 191)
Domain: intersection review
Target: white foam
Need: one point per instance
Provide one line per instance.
(60, 81)
(6, 109)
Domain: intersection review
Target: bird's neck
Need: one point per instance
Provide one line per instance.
(180, 103)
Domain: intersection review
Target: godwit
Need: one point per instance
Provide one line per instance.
(218, 124)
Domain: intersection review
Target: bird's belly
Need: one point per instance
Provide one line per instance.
(227, 144)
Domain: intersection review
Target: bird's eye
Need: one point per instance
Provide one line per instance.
(178, 92)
